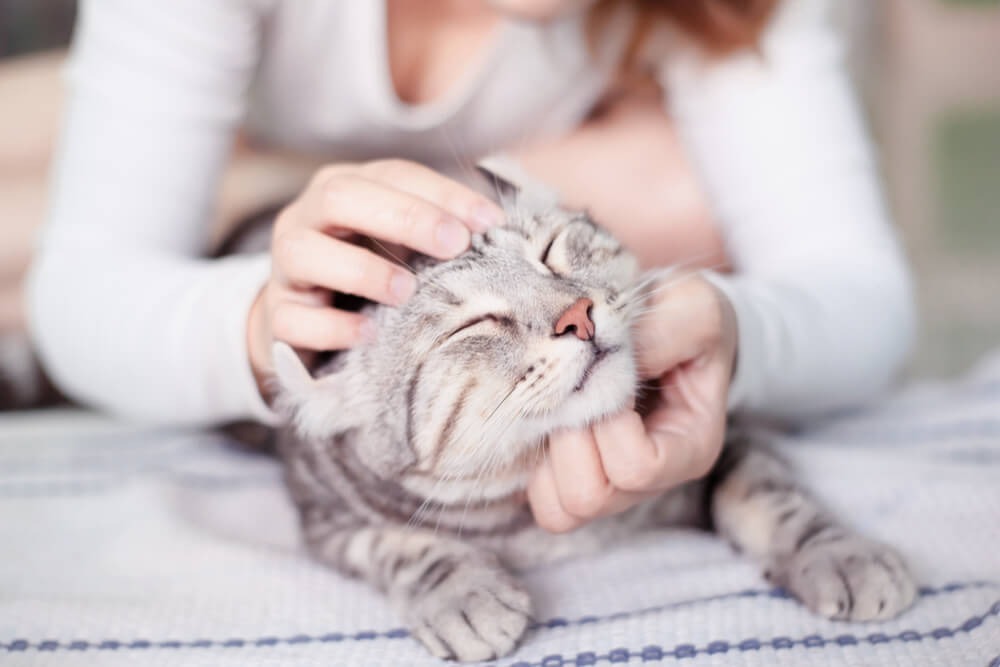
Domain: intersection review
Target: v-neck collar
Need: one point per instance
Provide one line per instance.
(458, 95)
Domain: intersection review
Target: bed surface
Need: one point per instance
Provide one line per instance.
(125, 546)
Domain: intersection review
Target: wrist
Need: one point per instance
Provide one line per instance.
(258, 343)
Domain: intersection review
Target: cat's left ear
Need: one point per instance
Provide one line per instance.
(501, 190)
(511, 186)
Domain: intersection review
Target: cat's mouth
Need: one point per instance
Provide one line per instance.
(600, 354)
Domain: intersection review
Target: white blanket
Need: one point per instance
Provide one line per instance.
(123, 546)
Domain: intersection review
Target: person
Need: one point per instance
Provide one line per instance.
(753, 150)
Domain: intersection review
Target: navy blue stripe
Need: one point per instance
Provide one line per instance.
(654, 653)
(398, 633)
(775, 593)
(995, 662)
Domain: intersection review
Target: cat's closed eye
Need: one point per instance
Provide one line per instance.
(489, 318)
(548, 247)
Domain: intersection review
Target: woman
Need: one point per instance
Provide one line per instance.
(128, 317)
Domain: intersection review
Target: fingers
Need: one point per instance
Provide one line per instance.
(308, 258)
(477, 211)
(375, 209)
(677, 443)
(582, 486)
(686, 322)
(636, 461)
(395, 201)
(543, 496)
(312, 328)
(571, 487)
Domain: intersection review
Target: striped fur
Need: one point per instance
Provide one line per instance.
(408, 457)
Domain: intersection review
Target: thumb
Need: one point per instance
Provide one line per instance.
(683, 321)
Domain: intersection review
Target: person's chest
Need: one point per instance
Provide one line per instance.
(325, 84)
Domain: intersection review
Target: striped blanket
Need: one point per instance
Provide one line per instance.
(126, 546)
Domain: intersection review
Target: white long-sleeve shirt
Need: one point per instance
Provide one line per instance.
(129, 318)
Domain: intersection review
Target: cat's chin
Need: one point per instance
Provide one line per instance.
(608, 388)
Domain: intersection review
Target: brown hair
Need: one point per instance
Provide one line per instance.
(720, 26)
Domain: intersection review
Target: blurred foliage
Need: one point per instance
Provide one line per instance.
(973, 3)
(966, 158)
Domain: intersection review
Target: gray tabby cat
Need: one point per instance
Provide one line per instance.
(408, 457)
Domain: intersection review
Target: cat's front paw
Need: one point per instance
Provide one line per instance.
(467, 611)
(848, 579)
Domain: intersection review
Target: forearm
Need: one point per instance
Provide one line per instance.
(145, 336)
(821, 288)
(819, 344)
(124, 314)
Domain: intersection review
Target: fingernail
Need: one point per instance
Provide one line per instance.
(452, 237)
(402, 286)
(484, 216)
(367, 331)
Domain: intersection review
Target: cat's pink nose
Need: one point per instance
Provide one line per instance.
(577, 320)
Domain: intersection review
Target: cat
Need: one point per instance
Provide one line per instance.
(408, 457)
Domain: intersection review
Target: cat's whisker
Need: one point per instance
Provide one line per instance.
(639, 293)
(421, 276)
(463, 165)
(486, 420)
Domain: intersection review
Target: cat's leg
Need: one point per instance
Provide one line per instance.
(759, 507)
(456, 599)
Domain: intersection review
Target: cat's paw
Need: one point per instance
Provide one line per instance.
(849, 579)
(467, 611)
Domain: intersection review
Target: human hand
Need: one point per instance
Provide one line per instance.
(312, 254)
(687, 343)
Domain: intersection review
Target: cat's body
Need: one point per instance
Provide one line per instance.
(408, 457)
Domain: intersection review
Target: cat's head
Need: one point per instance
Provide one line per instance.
(525, 333)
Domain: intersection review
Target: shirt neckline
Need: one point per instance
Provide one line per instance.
(427, 114)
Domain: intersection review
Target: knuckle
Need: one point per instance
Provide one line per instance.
(324, 176)
(335, 187)
(283, 322)
(389, 169)
(285, 220)
(555, 521)
(634, 475)
(285, 248)
(585, 500)
(355, 275)
(703, 461)
(415, 216)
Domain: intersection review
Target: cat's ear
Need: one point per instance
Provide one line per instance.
(314, 405)
(511, 186)
(504, 192)
(290, 372)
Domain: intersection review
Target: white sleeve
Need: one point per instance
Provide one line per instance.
(822, 294)
(125, 315)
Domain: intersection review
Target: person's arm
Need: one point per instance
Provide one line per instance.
(821, 291)
(820, 300)
(124, 314)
